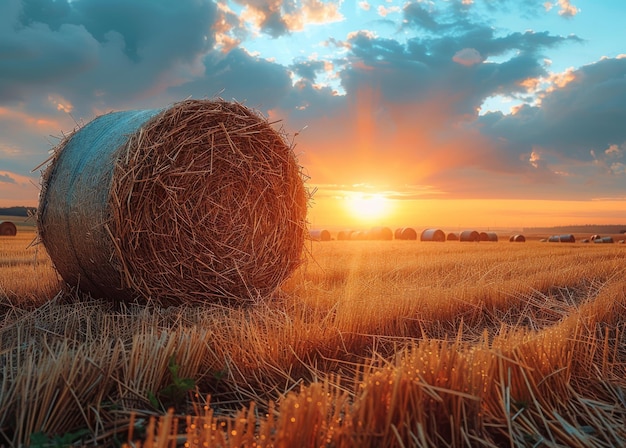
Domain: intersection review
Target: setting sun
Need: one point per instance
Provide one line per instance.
(368, 207)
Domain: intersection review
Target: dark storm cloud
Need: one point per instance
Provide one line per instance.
(587, 114)
(416, 14)
(90, 48)
(240, 76)
(308, 69)
(424, 67)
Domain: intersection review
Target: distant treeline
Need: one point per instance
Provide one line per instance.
(587, 228)
(17, 211)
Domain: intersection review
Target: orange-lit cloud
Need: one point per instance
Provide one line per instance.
(16, 189)
(276, 18)
(567, 9)
(467, 57)
(384, 11)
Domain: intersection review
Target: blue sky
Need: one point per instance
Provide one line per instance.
(478, 100)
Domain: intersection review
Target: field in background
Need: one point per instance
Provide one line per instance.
(397, 343)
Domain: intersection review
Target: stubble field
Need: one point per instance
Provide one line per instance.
(398, 343)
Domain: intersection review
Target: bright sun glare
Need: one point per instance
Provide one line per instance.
(368, 207)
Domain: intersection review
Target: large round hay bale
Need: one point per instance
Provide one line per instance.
(200, 201)
(7, 228)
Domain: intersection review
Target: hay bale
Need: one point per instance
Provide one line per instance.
(344, 235)
(7, 228)
(380, 233)
(452, 236)
(567, 238)
(359, 235)
(488, 236)
(319, 235)
(405, 233)
(433, 235)
(469, 236)
(517, 238)
(197, 202)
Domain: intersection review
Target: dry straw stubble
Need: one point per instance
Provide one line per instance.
(197, 202)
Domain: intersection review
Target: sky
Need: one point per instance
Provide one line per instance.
(457, 113)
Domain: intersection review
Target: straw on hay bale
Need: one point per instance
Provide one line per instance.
(197, 202)
(319, 234)
(405, 233)
(7, 228)
(469, 236)
(433, 235)
(380, 233)
(517, 238)
(452, 236)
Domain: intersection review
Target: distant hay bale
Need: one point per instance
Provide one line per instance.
(488, 236)
(604, 239)
(319, 235)
(380, 233)
(7, 228)
(433, 235)
(197, 202)
(405, 233)
(359, 235)
(344, 235)
(452, 236)
(469, 236)
(567, 238)
(517, 238)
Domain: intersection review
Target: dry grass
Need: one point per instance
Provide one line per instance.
(372, 344)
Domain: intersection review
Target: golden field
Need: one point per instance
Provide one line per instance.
(369, 344)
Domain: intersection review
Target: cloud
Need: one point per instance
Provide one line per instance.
(240, 76)
(7, 179)
(93, 50)
(277, 18)
(567, 9)
(407, 112)
(417, 15)
(467, 57)
(17, 190)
